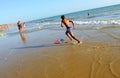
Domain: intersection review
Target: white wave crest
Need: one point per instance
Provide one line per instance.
(96, 22)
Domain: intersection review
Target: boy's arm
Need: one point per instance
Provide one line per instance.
(72, 24)
(61, 24)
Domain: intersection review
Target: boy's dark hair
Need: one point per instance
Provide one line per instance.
(62, 17)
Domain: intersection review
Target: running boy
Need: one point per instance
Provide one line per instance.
(68, 32)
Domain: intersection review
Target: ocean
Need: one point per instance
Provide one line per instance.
(92, 19)
(97, 18)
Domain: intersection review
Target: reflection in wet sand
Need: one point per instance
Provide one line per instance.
(23, 38)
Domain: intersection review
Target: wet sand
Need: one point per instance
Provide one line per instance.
(97, 57)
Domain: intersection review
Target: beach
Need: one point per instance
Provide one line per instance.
(34, 54)
(97, 57)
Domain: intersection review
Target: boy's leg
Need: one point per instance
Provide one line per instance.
(74, 37)
(20, 29)
(68, 36)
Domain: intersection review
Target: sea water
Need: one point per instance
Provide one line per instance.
(98, 18)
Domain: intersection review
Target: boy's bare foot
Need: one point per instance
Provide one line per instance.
(79, 42)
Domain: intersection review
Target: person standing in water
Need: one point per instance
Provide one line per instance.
(19, 26)
(68, 32)
(88, 14)
(24, 25)
(23, 38)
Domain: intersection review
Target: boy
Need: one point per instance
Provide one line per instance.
(19, 26)
(67, 22)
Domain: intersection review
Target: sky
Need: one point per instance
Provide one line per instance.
(26, 10)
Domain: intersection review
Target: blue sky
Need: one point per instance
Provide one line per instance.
(26, 10)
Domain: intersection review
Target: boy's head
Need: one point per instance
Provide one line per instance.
(62, 17)
(18, 22)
